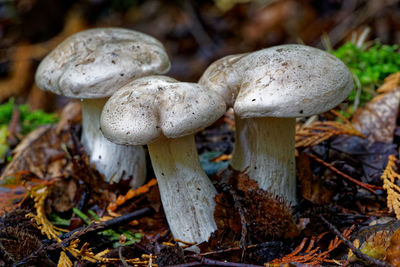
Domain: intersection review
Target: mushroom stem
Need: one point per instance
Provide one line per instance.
(116, 162)
(187, 193)
(265, 150)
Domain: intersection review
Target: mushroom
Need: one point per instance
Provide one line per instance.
(165, 114)
(269, 88)
(92, 65)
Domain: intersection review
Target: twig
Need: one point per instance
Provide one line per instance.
(68, 237)
(201, 261)
(332, 168)
(238, 248)
(121, 220)
(356, 251)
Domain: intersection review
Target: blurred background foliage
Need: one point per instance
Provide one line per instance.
(195, 33)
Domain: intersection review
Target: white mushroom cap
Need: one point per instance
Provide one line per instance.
(96, 62)
(151, 107)
(222, 77)
(282, 81)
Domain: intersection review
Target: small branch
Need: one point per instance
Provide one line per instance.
(239, 248)
(68, 237)
(201, 261)
(121, 220)
(356, 251)
(335, 170)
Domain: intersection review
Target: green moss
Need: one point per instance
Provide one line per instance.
(369, 66)
(29, 120)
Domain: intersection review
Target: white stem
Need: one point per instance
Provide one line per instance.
(116, 162)
(266, 147)
(187, 193)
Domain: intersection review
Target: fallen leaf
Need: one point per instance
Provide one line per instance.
(13, 190)
(393, 250)
(33, 154)
(42, 151)
(375, 240)
(311, 186)
(377, 120)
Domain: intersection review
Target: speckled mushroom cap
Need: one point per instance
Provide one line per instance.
(287, 81)
(154, 106)
(222, 77)
(96, 62)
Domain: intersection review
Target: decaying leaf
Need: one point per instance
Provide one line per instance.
(393, 250)
(390, 178)
(311, 186)
(377, 120)
(390, 83)
(374, 240)
(13, 190)
(372, 157)
(41, 152)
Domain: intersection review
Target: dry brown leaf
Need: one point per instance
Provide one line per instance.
(311, 186)
(393, 250)
(13, 191)
(374, 240)
(377, 120)
(35, 152)
(41, 151)
(390, 83)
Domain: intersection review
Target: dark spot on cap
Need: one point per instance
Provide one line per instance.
(128, 133)
(301, 111)
(99, 156)
(113, 61)
(162, 174)
(121, 74)
(253, 100)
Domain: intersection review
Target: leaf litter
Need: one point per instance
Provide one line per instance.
(336, 167)
(253, 226)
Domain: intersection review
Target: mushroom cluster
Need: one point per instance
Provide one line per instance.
(165, 114)
(91, 65)
(113, 71)
(268, 89)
